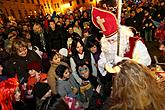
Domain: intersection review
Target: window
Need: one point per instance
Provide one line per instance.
(6, 12)
(27, 1)
(25, 12)
(12, 13)
(22, 1)
(32, 1)
(83, 1)
(58, 5)
(38, 1)
(48, 5)
(20, 14)
(55, 5)
(78, 2)
(70, 2)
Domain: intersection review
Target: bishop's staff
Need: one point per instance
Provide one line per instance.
(119, 5)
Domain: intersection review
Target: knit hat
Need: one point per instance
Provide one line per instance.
(63, 52)
(34, 65)
(41, 89)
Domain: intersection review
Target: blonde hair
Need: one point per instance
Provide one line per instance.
(134, 88)
(35, 27)
(17, 44)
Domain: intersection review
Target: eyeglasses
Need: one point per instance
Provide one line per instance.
(83, 69)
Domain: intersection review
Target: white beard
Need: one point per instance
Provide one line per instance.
(110, 49)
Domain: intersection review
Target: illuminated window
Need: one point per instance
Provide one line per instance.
(6, 12)
(27, 1)
(78, 2)
(32, 1)
(25, 12)
(12, 13)
(38, 1)
(58, 5)
(20, 14)
(70, 2)
(83, 1)
(48, 5)
(22, 1)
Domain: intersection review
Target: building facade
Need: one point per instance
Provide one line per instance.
(62, 5)
(20, 8)
(23, 8)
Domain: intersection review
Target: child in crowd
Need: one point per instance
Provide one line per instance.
(162, 46)
(134, 88)
(7, 91)
(90, 88)
(55, 60)
(64, 55)
(18, 103)
(66, 85)
(35, 76)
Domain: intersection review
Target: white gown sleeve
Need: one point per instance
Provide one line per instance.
(101, 64)
(140, 54)
(74, 72)
(94, 69)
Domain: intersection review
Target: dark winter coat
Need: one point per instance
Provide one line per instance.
(56, 39)
(18, 65)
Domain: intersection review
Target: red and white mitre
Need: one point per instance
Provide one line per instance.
(105, 21)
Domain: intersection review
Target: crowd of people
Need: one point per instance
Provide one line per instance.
(65, 62)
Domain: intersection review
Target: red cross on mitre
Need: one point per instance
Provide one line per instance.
(105, 21)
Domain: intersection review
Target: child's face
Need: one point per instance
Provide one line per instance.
(93, 49)
(22, 51)
(33, 72)
(84, 71)
(17, 95)
(66, 74)
(1, 68)
(56, 59)
(162, 47)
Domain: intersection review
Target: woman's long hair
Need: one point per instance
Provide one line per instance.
(134, 88)
(74, 45)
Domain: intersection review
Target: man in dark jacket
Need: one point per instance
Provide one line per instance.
(55, 37)
(40, 38)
